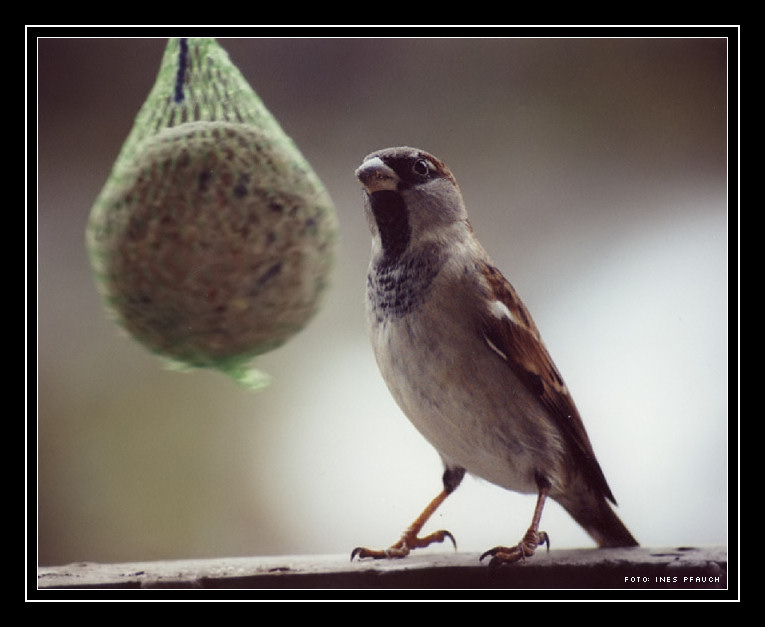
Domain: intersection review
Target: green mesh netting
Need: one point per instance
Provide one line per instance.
(213, 239)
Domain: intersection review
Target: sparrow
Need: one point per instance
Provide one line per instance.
(465, 362)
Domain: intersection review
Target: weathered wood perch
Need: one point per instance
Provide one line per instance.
(626, 569)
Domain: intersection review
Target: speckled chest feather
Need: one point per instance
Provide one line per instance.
(395, 289)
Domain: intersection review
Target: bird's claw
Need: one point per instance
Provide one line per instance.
(404, 546)
(392, 552)
(525, 548)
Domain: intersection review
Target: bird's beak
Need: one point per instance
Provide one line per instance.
(376, 176)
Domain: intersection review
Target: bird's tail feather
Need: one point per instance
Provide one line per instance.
(597, 518)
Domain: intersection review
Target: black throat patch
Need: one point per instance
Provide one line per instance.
(392, 218)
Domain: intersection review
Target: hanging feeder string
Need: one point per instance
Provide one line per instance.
(182, 62)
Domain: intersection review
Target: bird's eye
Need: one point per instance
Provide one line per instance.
(421, 167)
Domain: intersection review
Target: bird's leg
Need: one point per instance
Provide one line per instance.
(533, 538)
(410, 539)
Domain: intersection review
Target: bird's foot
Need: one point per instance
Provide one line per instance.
(525, 548)
(408, 542)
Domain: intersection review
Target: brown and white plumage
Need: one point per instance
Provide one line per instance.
(464, 360)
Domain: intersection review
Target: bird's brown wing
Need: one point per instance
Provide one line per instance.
(512, 334)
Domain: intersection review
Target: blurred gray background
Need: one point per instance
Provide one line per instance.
(595, 175)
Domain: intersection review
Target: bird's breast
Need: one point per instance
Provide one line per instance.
(452, 387)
